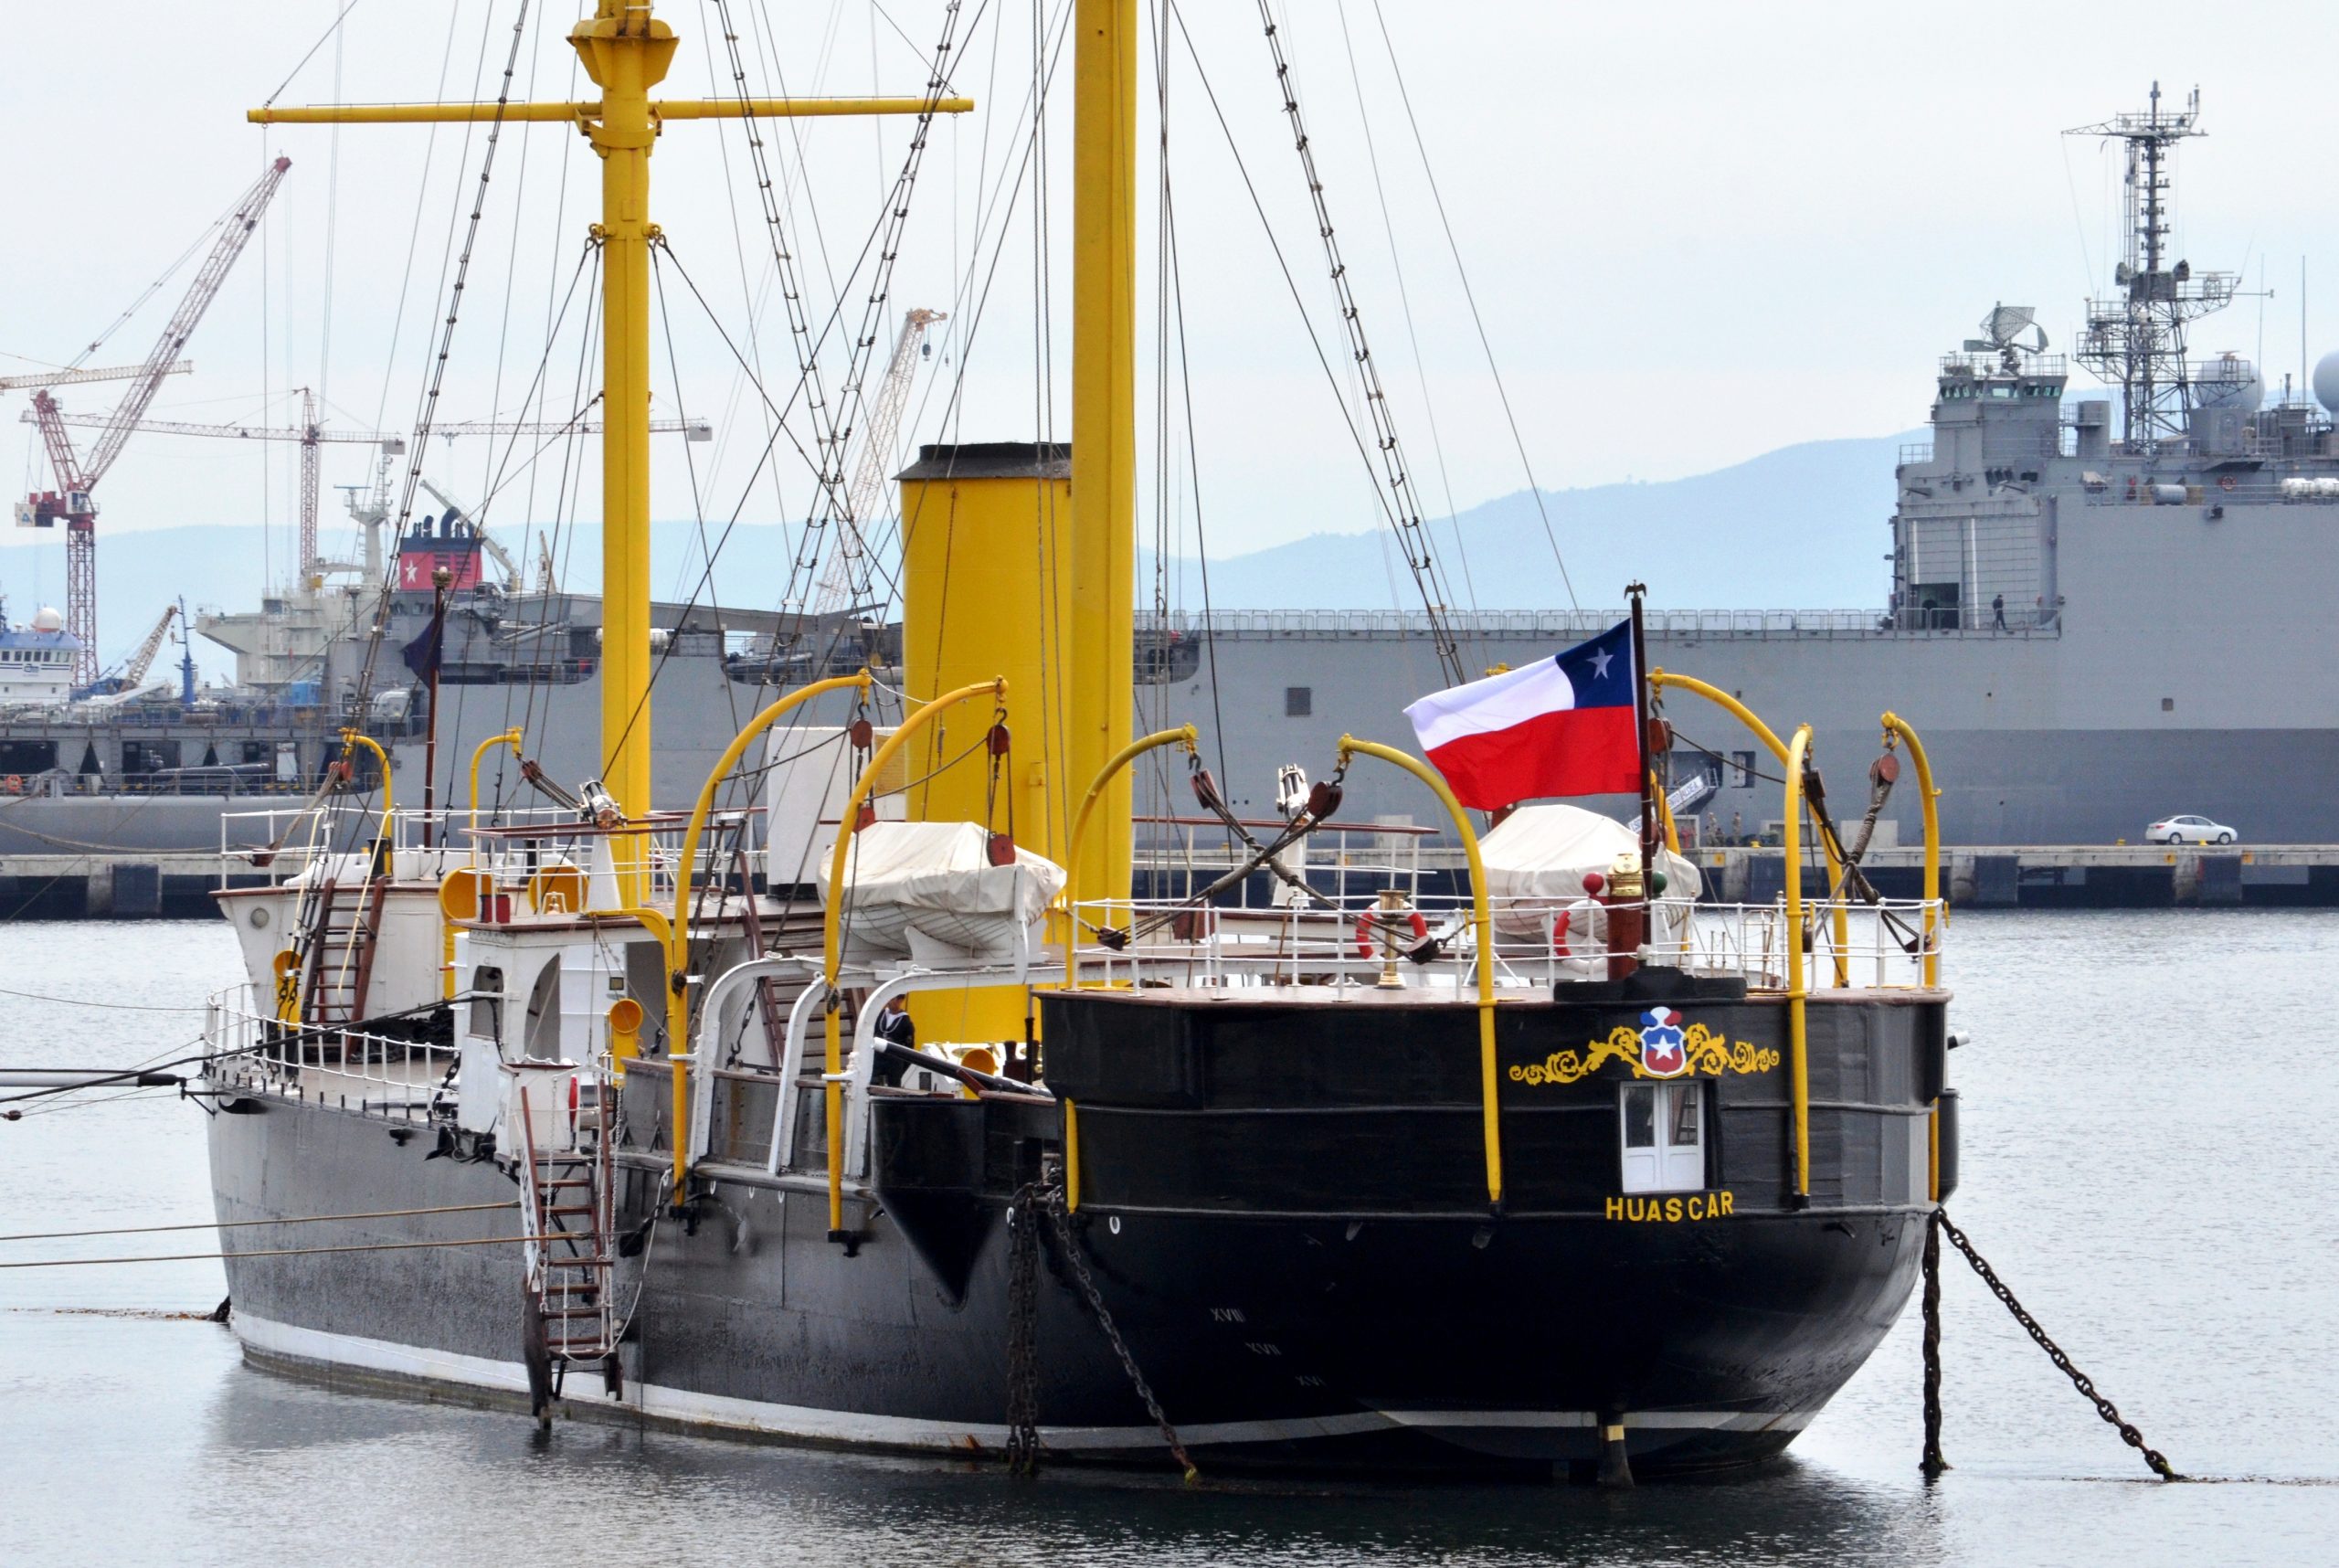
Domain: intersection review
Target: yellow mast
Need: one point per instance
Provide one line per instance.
(626, 51)
(1097, 661)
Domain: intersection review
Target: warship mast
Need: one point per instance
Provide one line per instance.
(2135, 339)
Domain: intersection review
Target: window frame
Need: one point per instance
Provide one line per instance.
(1663, 1161)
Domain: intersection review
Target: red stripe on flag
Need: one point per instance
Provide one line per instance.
(1576, 751)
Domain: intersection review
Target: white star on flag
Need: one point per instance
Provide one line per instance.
(1600, 662)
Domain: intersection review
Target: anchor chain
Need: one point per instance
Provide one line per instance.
(2080, 1380)
(1933, 1464)
(1112, 1332)
(1023, 1333)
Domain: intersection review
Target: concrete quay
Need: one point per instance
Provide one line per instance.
(2061, 876)
(166, 885)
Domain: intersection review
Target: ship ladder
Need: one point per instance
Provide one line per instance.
(567, 1205)
(342, 934)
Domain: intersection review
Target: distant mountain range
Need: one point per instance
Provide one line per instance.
(1802, 527)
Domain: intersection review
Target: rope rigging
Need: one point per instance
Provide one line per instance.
(1291, 284)
(428, 412)
(1421, 557)
(1469, 295)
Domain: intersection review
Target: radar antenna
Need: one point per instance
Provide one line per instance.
(2002, 332)
(2135, 339)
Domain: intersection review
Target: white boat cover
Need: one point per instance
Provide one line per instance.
(927, 891)
(1537, 859)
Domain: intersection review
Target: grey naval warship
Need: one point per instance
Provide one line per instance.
(2079, 615)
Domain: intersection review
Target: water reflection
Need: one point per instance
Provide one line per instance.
(480, 1476)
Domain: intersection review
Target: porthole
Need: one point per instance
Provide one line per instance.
(259, 916)
(1115, 1225)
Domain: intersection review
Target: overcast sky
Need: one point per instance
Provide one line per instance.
(1695, 232)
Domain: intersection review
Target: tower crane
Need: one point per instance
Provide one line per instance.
(847, 576)
(311, 435)
(77, 477)
(133, 671)
(71, 377)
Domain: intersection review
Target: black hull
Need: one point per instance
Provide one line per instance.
(1381, 1315)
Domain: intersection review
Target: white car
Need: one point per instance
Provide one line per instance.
(2188, 830)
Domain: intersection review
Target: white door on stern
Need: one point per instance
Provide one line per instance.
(1664, 1130)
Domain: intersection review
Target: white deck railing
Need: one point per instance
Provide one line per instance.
(400, 1080)
(1345, 941)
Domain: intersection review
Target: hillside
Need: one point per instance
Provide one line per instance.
(1802, 527)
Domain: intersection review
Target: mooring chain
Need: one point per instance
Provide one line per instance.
(1112, 1332)
(1022, 1333)
(2080, 1380)
(1933, 1463)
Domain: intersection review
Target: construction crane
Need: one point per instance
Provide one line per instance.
(133, 671)
(847, 577)
(77, 477)
(311, 435)
(76, 377)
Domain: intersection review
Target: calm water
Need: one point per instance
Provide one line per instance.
(2147, 1162)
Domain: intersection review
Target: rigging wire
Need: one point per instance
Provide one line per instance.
(1291, 284)
(1177, 291)
(1479, 320)
(1405, 304)
(884, 238)
(1421, 557)
(428, 412)
(481, 513)
(81, 1001)
(333, 31)
(244, 1224)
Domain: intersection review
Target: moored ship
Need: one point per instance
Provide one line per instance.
(973, 1149)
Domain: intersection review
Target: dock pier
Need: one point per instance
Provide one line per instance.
(137, 884)
(2061, 876)
(146, 884)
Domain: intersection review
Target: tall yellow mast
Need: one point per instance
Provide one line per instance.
(626, 51)
(1099, 673)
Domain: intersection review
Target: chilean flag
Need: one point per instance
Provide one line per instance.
(1561, 726)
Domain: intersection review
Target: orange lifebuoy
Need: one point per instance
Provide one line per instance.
(2225, 481)
(1373, 917)
(1559, 933)
(14, 784)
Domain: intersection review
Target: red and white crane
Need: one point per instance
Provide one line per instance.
(311, 435)
(73, 500)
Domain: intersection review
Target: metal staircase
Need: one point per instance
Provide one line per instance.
(567, 1204)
